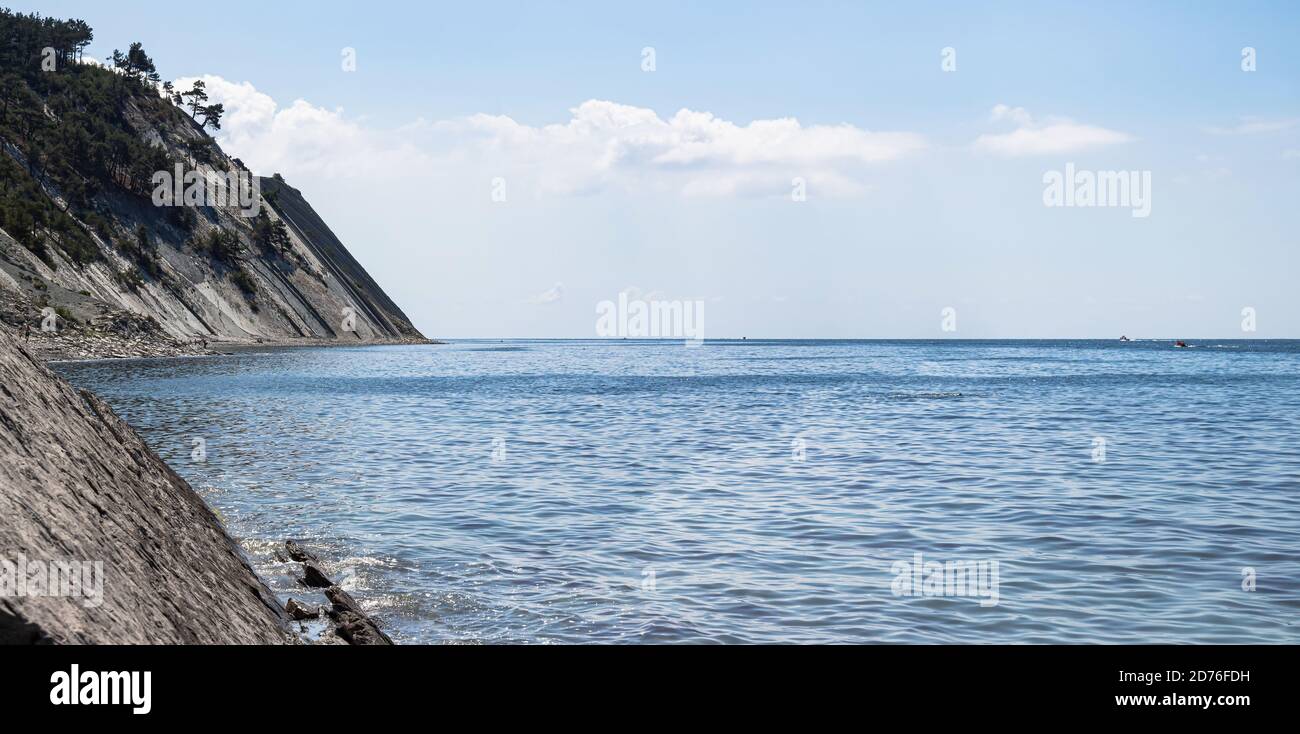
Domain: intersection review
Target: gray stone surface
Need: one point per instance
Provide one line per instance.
(78, 484)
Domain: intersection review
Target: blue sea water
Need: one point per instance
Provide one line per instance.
(757, 491)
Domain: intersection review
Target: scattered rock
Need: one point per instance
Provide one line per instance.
(358, 629)
(342, 600)
(351, 622)
(298, 611)
(298, 553)
(313, 577)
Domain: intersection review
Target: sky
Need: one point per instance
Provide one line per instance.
(795, 170)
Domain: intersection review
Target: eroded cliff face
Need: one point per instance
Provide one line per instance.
(110, 272)
(100, 541)
(348, 283)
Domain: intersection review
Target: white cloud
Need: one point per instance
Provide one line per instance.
(603, 145)
(1290, 154)
(302, 139)
(554, 295)
(1018, 115)
(1254, 126)
(695, 153)
(1053, 135)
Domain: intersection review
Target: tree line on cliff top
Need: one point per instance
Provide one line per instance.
(64, 120)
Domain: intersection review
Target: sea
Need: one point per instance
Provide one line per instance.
(622, 491)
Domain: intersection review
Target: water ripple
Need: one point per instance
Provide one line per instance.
(757, 491)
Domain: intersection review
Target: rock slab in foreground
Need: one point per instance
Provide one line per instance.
(77, 484)
(349, 622)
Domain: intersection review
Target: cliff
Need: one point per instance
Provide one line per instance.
(100, 541)
(80, 490)
(350, 284)
(96, 263)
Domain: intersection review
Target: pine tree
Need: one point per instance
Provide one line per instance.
(212, 115)
(197, 97)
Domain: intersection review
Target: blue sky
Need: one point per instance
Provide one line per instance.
(920, 195)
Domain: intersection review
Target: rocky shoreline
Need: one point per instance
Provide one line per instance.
(95, 264)
(70, 346)
(348, 622)
(101, 542)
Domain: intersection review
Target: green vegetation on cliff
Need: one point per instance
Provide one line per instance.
(117, 205)
(67, 121)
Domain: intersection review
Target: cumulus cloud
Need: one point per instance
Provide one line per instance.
(606, 144)
(603, 145)
(302, 138)
(1052, 135)
(1254, 126)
